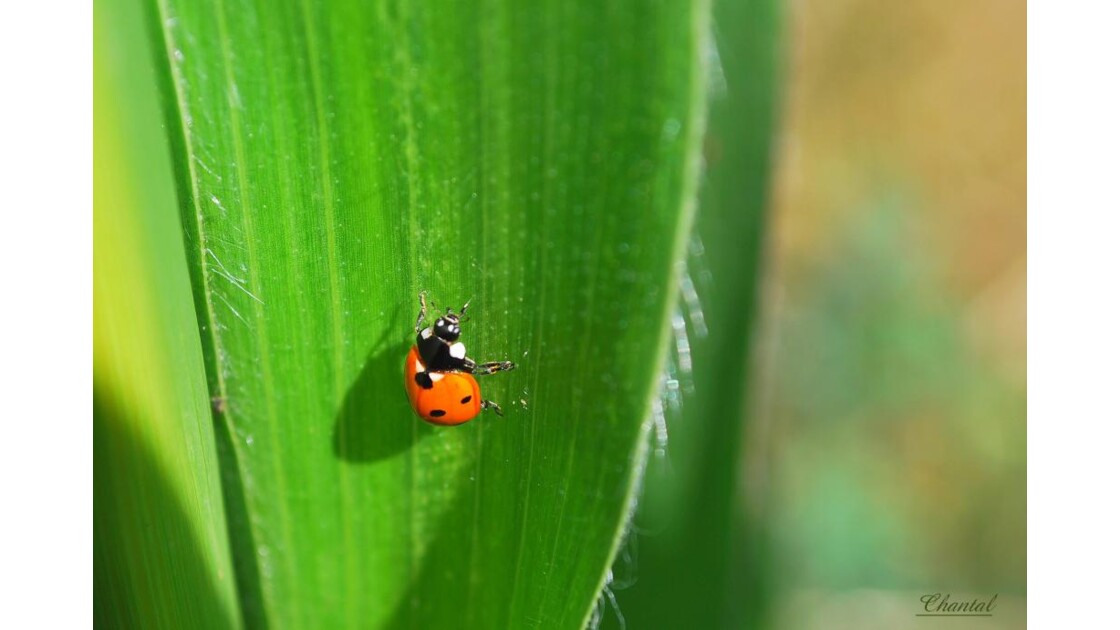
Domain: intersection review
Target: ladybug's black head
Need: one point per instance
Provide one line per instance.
(447, 327)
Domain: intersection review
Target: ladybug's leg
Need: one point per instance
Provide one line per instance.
(493, 367)
(485, 369)
(423, 311)
(490, 404)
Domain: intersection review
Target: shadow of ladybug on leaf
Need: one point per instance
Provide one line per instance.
(375, 421)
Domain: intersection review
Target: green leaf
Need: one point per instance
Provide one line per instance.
(336, 158)
(161, 555)
(699, 557)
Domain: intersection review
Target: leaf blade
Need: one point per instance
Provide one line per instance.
(707, 563)
(346, 159)
(161, 553)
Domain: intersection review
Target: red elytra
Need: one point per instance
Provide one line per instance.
(454, 397)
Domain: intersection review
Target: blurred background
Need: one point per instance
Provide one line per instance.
(891, 368)
(883, 455)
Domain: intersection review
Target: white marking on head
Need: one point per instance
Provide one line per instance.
(458, 350)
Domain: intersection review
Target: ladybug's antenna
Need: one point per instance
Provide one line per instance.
(463, 310)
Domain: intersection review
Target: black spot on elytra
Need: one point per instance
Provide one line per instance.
(424, 380)
(438, 413)
(466, 400)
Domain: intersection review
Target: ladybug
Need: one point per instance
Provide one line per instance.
(438, 374)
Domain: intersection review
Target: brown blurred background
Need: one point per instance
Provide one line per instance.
(892, 366)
